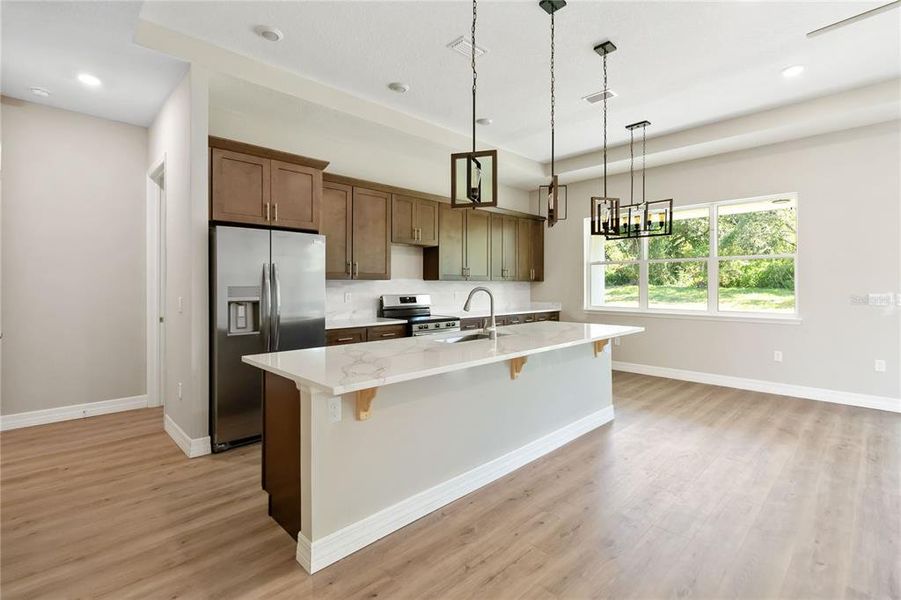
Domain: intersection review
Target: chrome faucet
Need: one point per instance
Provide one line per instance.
(490, 329)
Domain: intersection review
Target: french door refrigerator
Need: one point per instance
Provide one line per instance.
(267, 294)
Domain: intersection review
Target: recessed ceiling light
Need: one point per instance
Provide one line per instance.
(484, 121)
(268, 33)
(463, 45)
(598, 96)
(88, 79)
(792, 71)
(39, 91)
(399, 87)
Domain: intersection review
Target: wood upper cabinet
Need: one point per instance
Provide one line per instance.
(414, 221)
(260, 186)
(537, 251)
(371, 234)
(239, 187)
(447, 261)
(503, 247)
(296, 192)
(478, 244)
(523, 250)
(337, 208)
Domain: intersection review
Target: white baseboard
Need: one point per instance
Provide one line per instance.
(68, 413)
(319, 554)
(769, 387)
(192, 447)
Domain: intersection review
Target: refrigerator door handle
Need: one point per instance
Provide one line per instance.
(265, 306)
(276, 306)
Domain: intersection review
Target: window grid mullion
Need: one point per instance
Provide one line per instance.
(713, 270)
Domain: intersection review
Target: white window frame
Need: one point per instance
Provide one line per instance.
(713, 259)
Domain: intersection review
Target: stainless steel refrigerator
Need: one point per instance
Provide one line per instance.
(267, 294)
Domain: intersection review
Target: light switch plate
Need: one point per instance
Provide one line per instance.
(777, 355)
(346, 297)
(879, 366)
(334, 410)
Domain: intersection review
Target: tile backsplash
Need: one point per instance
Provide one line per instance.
(446, 295)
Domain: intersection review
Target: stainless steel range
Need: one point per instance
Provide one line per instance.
(417, 310)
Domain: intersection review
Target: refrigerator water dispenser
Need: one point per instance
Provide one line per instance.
(243, 317)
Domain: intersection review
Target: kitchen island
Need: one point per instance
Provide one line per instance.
(360, 440)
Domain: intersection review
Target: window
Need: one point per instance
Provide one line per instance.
(723, 258)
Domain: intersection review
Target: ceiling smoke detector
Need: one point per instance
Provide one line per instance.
(463, 46)
(39, 91)
(599, 96)
(270, 34)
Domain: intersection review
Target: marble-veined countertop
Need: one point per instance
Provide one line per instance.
(353, 367)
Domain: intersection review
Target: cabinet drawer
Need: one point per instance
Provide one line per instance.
(386, 332)
(470, 324)
(338, 337)
(542, 316)
(502, 320)
(555, 316)
(515, 319)
(528, 318)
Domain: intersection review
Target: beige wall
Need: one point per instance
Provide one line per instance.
(835, 345)
(73, 258)
(178, 135)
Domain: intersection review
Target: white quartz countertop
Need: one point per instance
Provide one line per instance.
(346, 322)
(353, 367)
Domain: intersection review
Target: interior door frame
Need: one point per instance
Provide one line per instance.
(156, 283)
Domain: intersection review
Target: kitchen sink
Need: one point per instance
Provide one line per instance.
(469, 337)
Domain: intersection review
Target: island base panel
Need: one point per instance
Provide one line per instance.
(281, 451)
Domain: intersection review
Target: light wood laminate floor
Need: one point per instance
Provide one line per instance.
(694, 491)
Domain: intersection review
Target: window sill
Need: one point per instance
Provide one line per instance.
(729, 317)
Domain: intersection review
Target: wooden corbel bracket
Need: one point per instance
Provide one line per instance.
(364, 400)
(599, 346)
(516, 365)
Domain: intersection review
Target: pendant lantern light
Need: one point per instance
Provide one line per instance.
(553, 193)
(605, 210)
(643, 218)
(474, 174)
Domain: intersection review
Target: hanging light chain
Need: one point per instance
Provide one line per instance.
(552, 97)
(474, 75)
(605, 124)
(644, 129)
(631, 166)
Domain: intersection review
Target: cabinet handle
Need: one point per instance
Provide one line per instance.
(347, 339)
(347, 268)
(416, 233)
(387, 334)
(356, 269)
(267, 211)
(275, 212)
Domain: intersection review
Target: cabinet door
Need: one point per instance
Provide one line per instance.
(349, 335)
(523, 249)
(240, 187)
(337, 203)
(478, 244)
(371, 224)
(451, 249)
(537, 251)
(426, 222)
(403, 219)
(503, 248)
(296, 193)
(385, 332)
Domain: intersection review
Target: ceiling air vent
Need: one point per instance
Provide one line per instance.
(464, 47)
(598, 96)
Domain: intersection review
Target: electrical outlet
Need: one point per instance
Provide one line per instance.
(334, 410)
(181, 304)
(178, 390)
(879, 366)
(617, 341)
(346, 297)
(777, 355)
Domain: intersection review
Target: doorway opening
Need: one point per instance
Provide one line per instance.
(156, 285)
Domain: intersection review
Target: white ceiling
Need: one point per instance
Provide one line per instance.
(47, 44)
(679, 64)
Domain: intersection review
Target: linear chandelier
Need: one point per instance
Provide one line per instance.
(474, 174)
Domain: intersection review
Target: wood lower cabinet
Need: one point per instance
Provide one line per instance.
(385, 332)
(355, 335)
(356, 223)
(371, 226)
(296, 192)
(260, 186)
(414, 221)
(503, 248)
(239, 187)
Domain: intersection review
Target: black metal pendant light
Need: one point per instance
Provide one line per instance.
(605, 210)
(554, 193)
(474, 174)
(643, 218)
